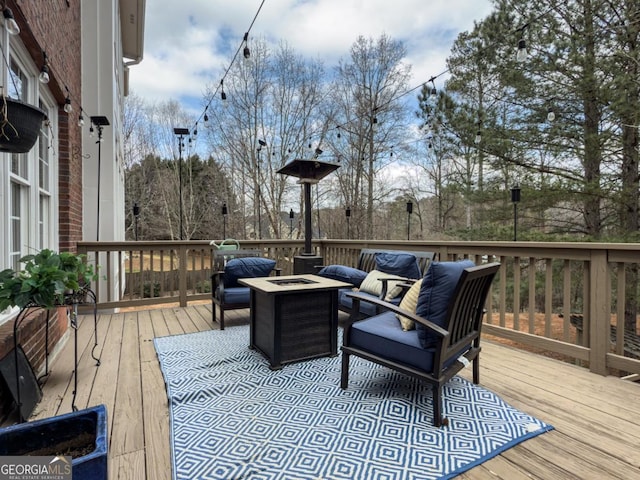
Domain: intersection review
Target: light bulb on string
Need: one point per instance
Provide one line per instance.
(10, 22)
(223, 95)
(43, 77)
(551, 115)
(246, 53)
(91, 131)
(80, 121)
(67, 105)
(522, 54)
(478, 138)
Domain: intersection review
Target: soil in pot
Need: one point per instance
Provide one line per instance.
(76, 447)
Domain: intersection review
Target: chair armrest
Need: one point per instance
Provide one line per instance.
(359, 297)
(385, 285)
(216, 279)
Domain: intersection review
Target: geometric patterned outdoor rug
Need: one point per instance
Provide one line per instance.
(234, 418)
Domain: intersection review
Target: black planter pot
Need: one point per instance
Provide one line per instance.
(20, 127)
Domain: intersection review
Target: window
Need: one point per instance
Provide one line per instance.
(18, 84)
(28, 208)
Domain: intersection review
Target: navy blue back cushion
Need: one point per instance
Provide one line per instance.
(435, 295)
(400, 264)
(343, 273)
(247, 267)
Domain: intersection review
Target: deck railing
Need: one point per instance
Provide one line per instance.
(569, 299)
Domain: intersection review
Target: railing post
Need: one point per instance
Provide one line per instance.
(599, 312)
(182, 276)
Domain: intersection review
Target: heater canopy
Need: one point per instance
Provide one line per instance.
(308, 170)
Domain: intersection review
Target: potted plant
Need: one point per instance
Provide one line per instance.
(20, 124)
(47, 280)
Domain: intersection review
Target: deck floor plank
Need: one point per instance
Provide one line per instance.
(159, 323)
(174, 326)
(155, 411)
(596, 419)
(128, 425)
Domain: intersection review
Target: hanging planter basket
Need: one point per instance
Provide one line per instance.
(20, 125)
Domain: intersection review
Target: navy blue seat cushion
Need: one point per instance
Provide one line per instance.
(435, 295)
(400, 264)
(382, 335)
(246, 267)
(343, 273)
(234, 295)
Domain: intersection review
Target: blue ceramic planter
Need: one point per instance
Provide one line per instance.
(33, 436)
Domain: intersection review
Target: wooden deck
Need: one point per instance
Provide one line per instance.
(596, 419)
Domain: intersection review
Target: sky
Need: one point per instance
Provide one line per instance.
(190, 43)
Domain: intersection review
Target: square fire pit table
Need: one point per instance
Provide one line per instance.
(294, 317)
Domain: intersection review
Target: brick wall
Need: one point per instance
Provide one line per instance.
(54, 26)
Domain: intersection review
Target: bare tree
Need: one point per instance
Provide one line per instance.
(370, 119)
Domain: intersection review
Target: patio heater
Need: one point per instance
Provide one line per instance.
(99, 121)
(180, 132)
(515, 198)
(309, 172)
(225, 212)
(409, 212)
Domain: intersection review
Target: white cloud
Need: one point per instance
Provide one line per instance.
(188, 43)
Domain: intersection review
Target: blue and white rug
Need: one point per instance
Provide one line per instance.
(233, 418)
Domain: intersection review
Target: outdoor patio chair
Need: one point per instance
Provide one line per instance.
(229, 266)
(446, 337)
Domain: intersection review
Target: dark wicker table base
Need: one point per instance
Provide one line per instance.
(294, 325)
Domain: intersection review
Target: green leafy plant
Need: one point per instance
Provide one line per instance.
(45, 279)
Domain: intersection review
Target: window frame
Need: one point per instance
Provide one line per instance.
(38, 228)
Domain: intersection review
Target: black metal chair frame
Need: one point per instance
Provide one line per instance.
(463, 329)
(220, 259)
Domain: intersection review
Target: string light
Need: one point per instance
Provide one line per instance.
(246, 53)
(522, 54)
(223, 95)
(433, 94)
(551, 115)
(44, 71)
(10, 22)
(67, 105)
(80, 120)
